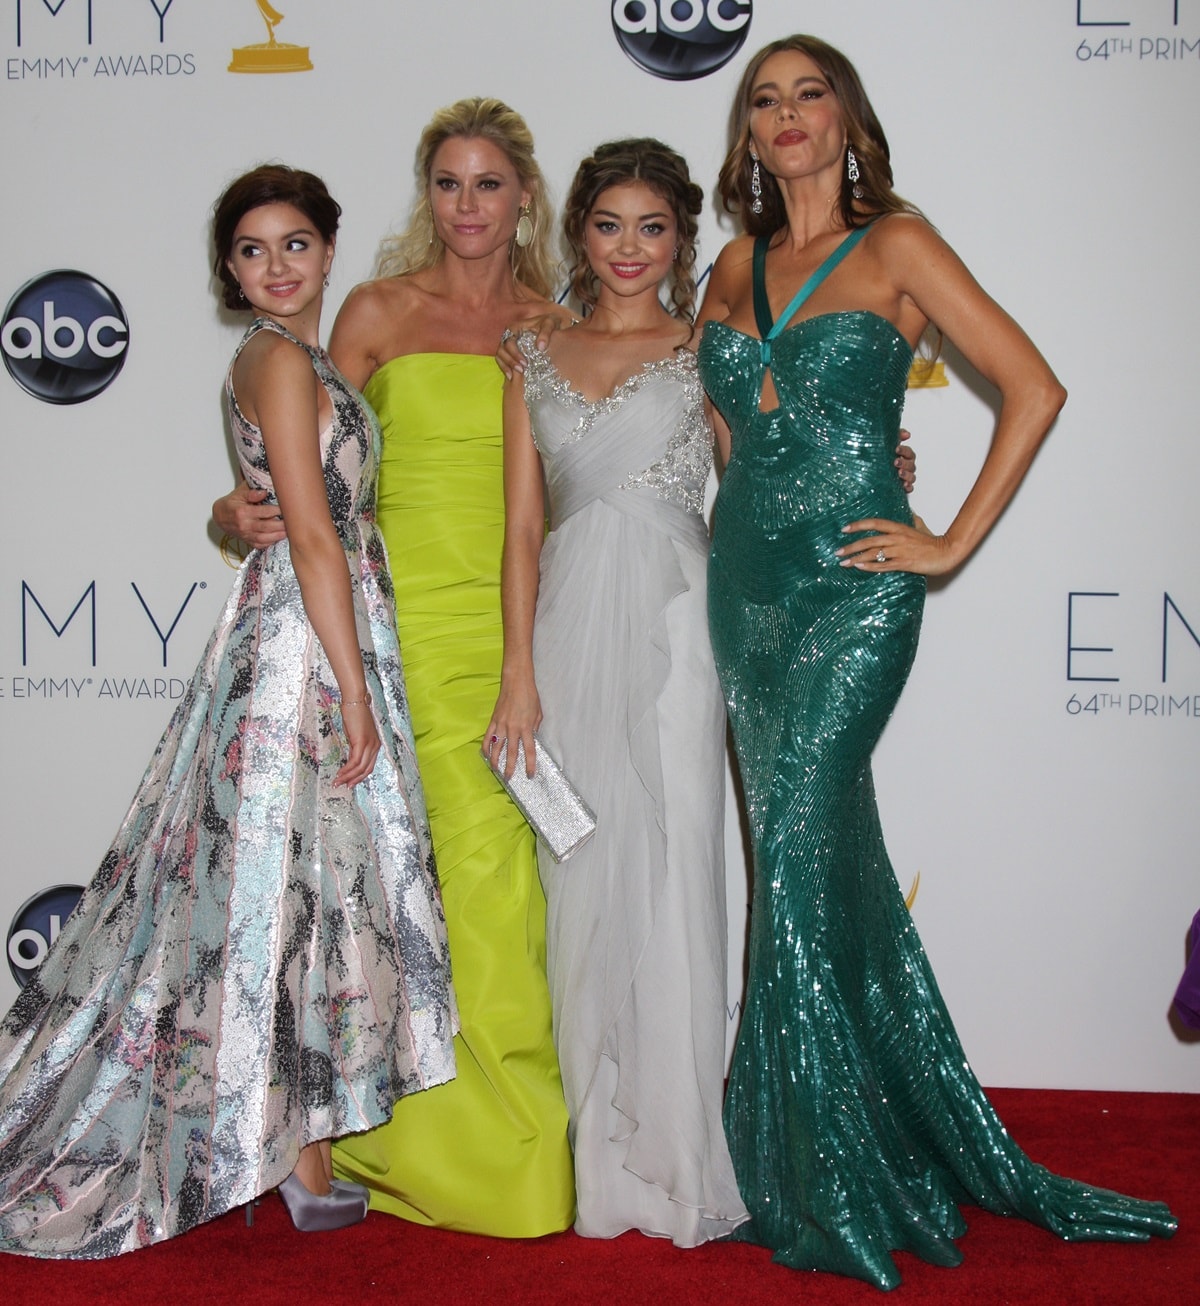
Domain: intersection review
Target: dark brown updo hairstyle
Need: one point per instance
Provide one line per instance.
(271, 183)
(617, 163)
(864, 136)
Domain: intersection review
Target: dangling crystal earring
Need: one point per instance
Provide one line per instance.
(524, 232)
(755, 187)
(852, 173)
(241, 294)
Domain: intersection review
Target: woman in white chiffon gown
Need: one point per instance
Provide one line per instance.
(606, 654)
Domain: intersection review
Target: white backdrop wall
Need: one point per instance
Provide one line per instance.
(1047, 797)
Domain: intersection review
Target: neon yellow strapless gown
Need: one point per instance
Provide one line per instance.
(488, 1152)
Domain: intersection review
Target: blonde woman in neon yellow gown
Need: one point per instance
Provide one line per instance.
(487, 1153)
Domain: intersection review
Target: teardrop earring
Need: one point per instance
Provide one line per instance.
(524, 232)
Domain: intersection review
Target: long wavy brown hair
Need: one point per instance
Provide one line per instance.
(618, 163)
(419, 246)
(864, 135)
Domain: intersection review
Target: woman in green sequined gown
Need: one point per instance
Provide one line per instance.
(855, 1123)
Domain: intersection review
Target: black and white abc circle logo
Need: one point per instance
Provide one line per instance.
(35, 927)
(64, 337)
(681, 39)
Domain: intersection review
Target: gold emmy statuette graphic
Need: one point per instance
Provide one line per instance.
(271, 56)
(927, 374)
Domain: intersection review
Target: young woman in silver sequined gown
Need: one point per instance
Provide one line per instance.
(260, 963)
(617, 659)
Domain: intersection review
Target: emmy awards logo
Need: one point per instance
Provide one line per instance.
(270, 56)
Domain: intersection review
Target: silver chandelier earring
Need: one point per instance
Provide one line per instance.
(853, 174)
(524, 233)
(755, 187)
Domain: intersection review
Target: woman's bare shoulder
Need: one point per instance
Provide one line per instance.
(735, 254)
(547, 308)
(379, 320)
(269, 350)
(385, 297)
(729, 278)
(269, 365)
(903, 236)
(528, 303)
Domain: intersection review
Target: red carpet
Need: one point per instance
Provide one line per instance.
(1147, 1144)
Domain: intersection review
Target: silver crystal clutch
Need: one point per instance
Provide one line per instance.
(548, 801)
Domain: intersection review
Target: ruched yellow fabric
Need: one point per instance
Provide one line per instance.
(487, 1153)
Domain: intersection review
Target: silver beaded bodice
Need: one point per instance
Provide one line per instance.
(672, 445)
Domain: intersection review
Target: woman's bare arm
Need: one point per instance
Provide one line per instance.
(362, 323)
(934, 278)
(518, 711)
(277, 390)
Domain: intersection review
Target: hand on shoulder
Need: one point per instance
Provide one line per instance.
(525, 334)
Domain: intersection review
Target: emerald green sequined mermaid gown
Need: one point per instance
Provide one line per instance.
(855, 1123)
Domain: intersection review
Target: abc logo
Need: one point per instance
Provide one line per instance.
(36, 926)
(64, 337)
(681, 39)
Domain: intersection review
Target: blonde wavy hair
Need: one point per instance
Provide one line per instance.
(419, 246)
